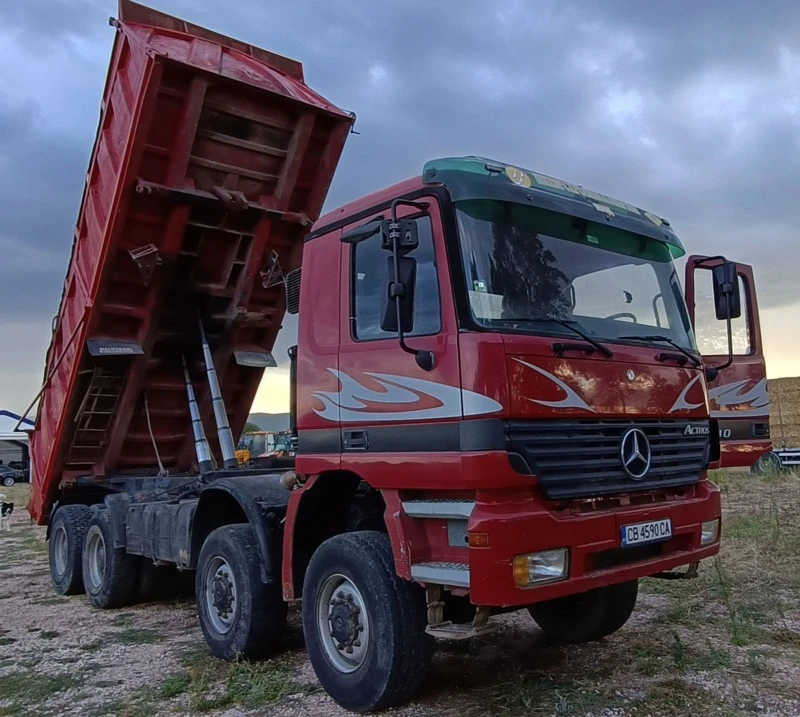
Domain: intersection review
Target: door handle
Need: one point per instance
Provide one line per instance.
(356, 440)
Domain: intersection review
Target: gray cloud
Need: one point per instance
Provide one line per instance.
(689, 109)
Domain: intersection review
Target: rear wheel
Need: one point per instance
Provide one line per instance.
(588, 616)
(364, 626)
(768, 464)
(110, 575)
(239, 614)
(65, 547)
(8, 481)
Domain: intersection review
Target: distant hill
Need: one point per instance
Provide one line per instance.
(270, 421)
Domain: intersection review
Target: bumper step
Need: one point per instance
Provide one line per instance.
(452, 574)
(439, 508)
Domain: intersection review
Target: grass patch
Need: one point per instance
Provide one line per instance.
(7, 640)
(123, 619)
(34, 544)
(648, 660)
(135, 636)
(535, 694)
(757, 665)
(765, 526)
(175, 685)
(51, 600)
(677, 698)
(30, 688)
(213, 684)
(48, 634)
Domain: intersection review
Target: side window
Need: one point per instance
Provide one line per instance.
(712, 333)
(370, 283)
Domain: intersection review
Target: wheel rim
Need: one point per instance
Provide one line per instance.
(8, 481)
(221, 594)
(60, 550)
(96, 556)
(343, 623)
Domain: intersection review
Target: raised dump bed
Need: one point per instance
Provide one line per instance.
(212, 160)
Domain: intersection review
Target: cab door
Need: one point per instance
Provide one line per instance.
(738, 396)
(394, 413)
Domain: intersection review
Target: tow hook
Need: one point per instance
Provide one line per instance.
(689, 574)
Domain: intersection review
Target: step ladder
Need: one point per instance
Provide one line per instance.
(93, 417)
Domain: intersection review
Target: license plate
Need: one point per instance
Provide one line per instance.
(650, 532)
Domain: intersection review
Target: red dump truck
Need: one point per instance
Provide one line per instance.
(497, 398)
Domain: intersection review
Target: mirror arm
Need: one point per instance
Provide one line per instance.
(425, 359)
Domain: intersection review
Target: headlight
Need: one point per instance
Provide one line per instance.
(709, 532)
(544, 567)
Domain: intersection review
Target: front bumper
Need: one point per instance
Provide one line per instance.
(596, 559)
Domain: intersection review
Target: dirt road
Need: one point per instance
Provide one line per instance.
(727, 643)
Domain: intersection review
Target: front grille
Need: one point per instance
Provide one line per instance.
(578, 459)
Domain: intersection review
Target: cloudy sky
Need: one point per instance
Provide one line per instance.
(690, 109)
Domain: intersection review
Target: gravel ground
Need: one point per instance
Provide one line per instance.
(725, 644)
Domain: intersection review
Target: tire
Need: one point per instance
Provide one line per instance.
(767, 464)
(65, 548)
(110, 575)
(588, 616)
(354, 575)
(8, 481)
(239, 614)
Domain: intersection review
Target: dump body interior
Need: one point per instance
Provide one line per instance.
(211, 162)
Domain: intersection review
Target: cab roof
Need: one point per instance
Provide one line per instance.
(474, 177)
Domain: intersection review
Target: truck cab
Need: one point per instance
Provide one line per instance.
(501, 370)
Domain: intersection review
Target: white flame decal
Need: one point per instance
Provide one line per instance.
(352, 401)
(571, 400)
(681, 404)
(731, 394)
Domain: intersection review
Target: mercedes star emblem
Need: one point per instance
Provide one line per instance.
(631, 375)
(634, 450)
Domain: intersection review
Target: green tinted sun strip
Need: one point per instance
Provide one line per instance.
(561, 226)
(480, 178)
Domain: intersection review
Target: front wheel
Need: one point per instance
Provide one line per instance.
(364, 626)
(588, 616)
(8, 481)
(240, 615)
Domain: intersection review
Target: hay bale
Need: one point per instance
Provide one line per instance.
(784, 411)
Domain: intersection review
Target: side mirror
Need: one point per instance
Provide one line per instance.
(727, 298)
(402, 291)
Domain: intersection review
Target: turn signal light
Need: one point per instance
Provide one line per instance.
(478, 540)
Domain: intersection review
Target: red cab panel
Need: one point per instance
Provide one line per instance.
(738, 395)
(631, 383)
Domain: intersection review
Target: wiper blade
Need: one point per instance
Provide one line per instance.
(607, 352)
(569, 325)
(666, 340)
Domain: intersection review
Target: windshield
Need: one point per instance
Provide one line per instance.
(526, 267)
